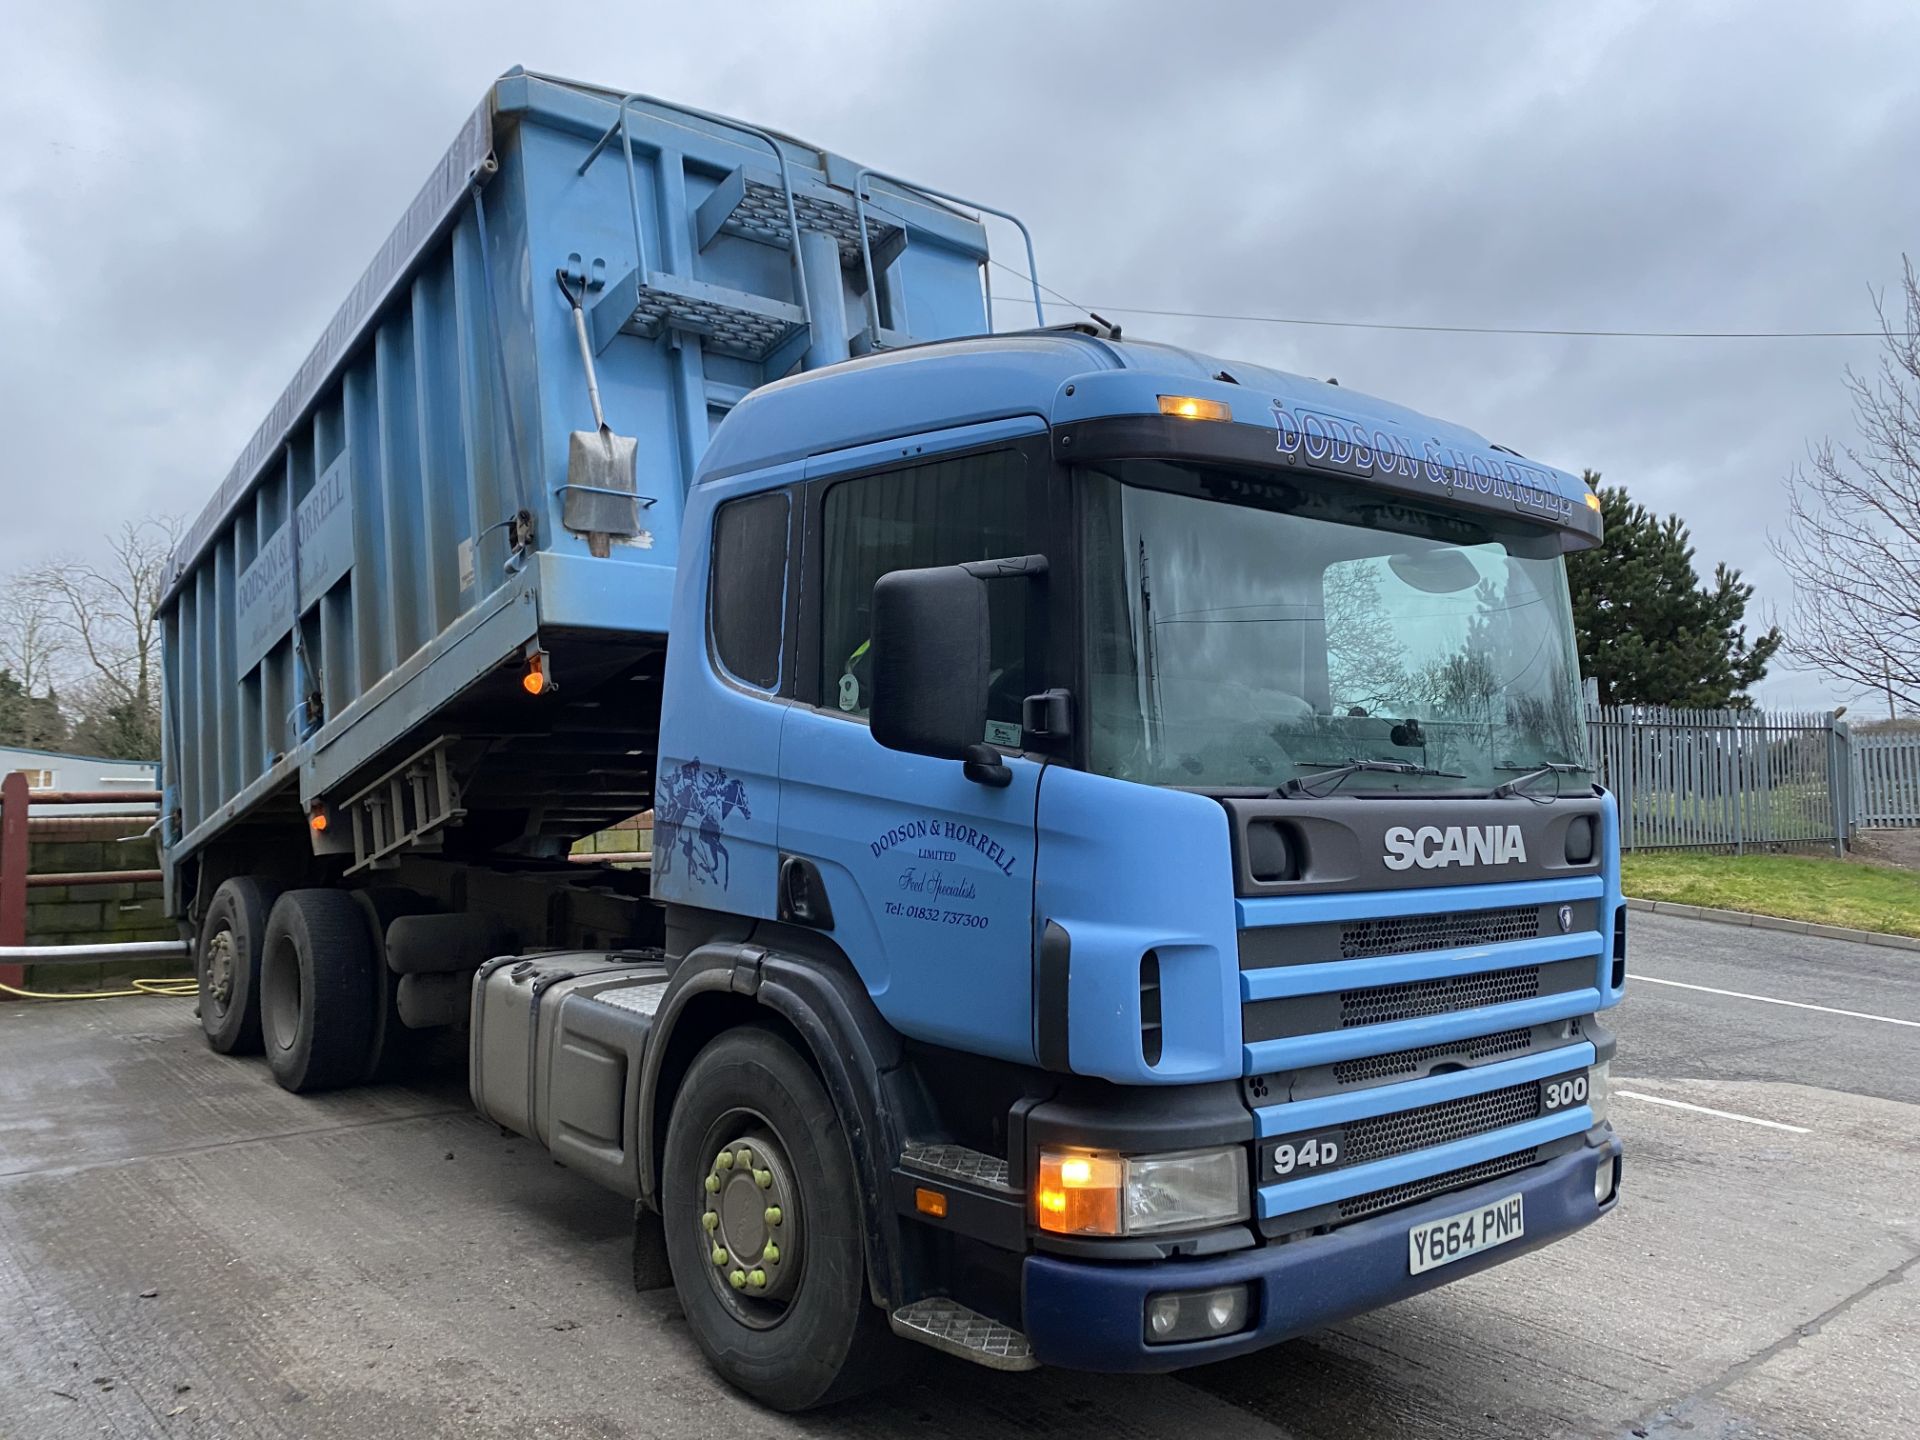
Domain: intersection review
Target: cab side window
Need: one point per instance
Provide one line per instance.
(974, 507)
(747, 587)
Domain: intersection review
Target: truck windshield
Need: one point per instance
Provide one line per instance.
(1247, 630)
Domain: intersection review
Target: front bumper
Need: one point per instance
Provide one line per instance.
(1090, 1316)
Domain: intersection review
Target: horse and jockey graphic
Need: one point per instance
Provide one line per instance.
(690, 807)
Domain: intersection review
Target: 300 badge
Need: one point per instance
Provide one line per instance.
(1563, 1092)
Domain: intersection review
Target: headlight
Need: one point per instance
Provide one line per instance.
(1598, 1091)
(1086, 1194)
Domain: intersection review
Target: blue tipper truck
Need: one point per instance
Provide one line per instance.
(1125, 887)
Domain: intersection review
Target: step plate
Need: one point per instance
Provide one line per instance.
(950, 1326)
(762, 215)
(957, 1162)
(731, 322)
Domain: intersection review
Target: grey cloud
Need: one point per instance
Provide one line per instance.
(184, 198)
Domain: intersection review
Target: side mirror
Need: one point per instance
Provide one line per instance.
(930, 639)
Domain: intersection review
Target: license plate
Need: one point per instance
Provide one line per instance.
(1441, 1242)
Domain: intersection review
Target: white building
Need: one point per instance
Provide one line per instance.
(52, 770)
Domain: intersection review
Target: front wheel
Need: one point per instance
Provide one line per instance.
(763, 1227)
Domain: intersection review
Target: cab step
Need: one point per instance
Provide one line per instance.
(940, 1161)
(950, 1326)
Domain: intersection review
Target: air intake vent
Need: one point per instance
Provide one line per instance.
(1410, 934)
(1374, 1201)
(1380, 1004)
(1413, 1062)
(1150, 1037)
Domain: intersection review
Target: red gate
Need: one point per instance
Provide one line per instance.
(17, 827)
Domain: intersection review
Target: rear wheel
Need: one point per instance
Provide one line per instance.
(392, 1045)
(763, 1227)
(318, 990)
(227, 964)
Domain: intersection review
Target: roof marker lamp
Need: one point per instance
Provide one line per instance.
(1081, 1193)
(1192, 407)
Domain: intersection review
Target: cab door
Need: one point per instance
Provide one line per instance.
(729, 675)
(929, 875)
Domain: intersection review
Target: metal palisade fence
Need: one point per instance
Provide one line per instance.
(1886, 777)
(1728, 779)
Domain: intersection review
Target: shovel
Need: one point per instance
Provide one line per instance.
(601, 497)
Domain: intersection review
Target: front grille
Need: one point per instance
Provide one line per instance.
(1378, 1136)
(1409, 934)
(1412, 1062)
(1375, 1201)
(1410, 999)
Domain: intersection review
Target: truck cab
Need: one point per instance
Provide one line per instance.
(1182, 764)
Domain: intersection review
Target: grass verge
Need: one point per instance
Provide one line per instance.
(1793, 887)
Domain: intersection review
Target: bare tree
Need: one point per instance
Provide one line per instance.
(31, 647)
(1852, 544)
(107, 615)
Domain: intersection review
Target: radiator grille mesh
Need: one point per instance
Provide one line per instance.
(1378, 1136)
(1410, 999)
(1410, 934)
(1412, 1062)
(1374, 1201)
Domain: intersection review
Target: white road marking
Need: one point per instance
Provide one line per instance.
(1707, 1110)
(1770, 1000)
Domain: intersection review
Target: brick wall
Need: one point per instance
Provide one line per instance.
(632, 835)
(73, 914)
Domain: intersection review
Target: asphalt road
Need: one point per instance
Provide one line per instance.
(187, 1251)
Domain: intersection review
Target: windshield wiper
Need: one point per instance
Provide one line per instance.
(1300, 785)
(1520, 782)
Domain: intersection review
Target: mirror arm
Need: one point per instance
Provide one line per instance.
(981, 763)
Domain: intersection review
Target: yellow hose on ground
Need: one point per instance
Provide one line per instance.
(178, 987)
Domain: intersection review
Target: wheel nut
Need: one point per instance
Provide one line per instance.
(713, 1184)
(724, 1160)
(719, 1256)
(738, 1279)
(758, 1279)
(770, 1255)
(772, 1215)
(743, 1157)
(711, 1221)
(763, 1178)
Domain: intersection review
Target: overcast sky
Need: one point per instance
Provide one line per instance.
(187, 193)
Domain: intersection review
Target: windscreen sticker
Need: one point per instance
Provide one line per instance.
(1330, 442)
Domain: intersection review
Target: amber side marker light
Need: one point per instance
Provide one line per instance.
(535, 680)
(1593, 502)
(318, 820)
(930, 1202)
(1192, 407)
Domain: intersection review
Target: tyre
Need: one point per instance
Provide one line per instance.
(392, 1045)
(318, 990)
(764, 1231)
(226, 961)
